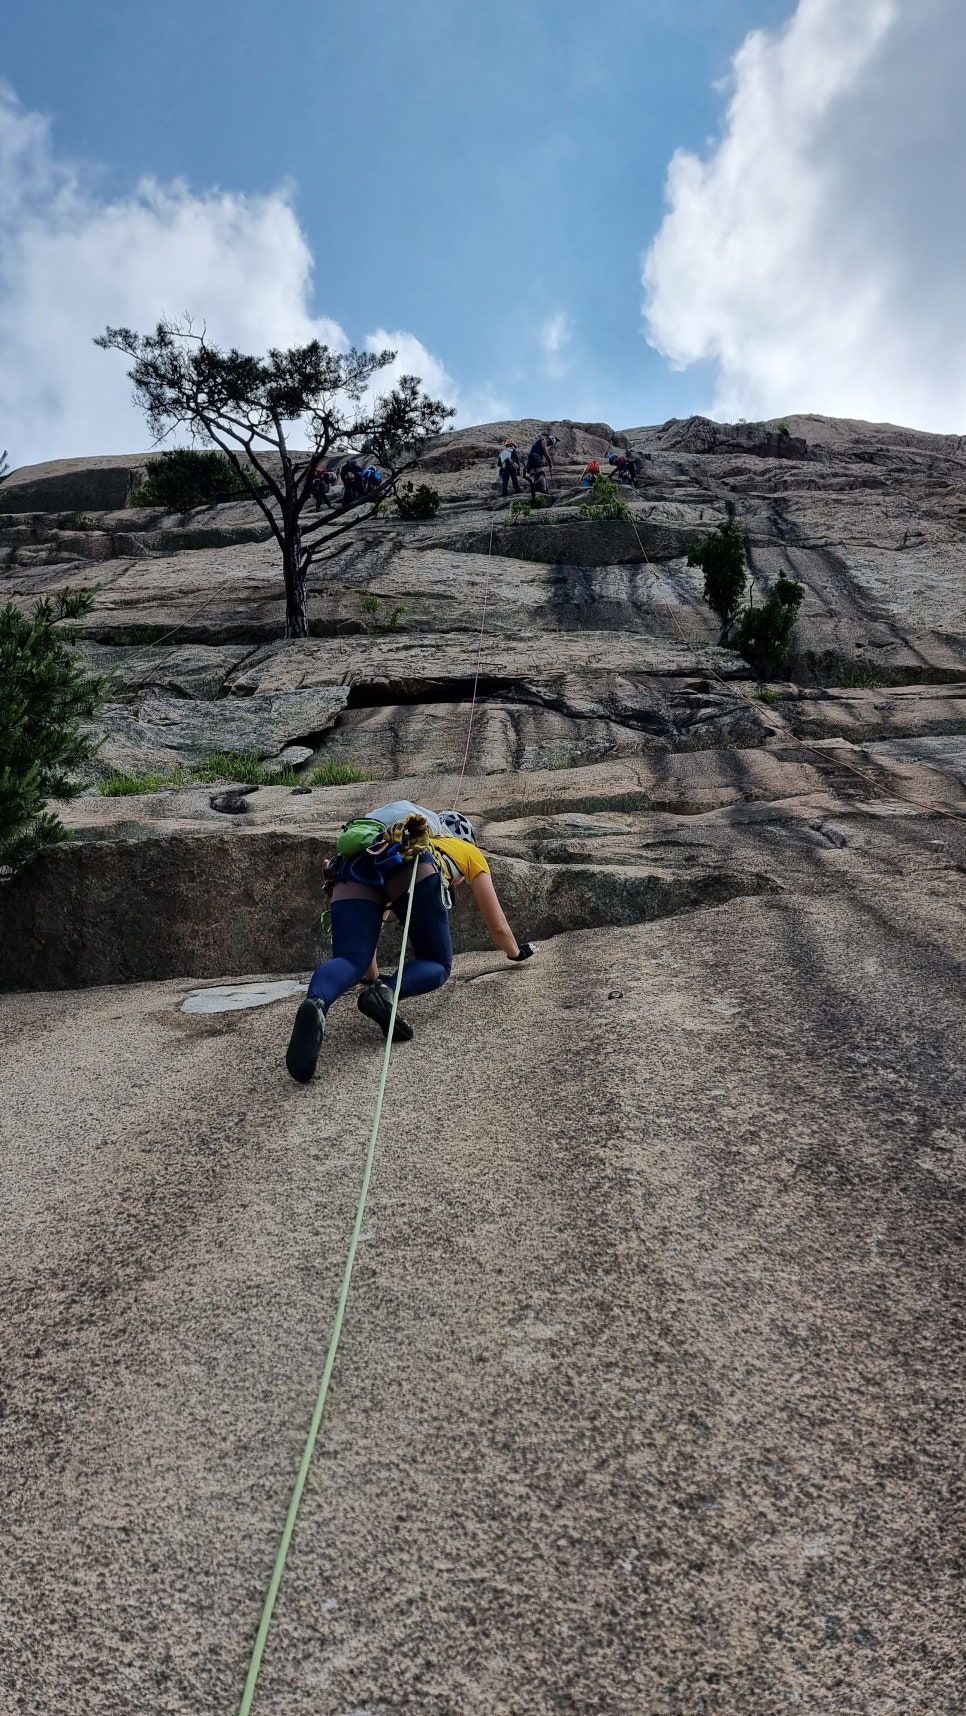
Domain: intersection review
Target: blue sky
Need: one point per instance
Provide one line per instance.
(487, 178)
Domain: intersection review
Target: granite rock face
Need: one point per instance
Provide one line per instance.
(597, 651)
(649, 1394)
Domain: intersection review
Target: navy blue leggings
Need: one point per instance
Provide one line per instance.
(355, 933)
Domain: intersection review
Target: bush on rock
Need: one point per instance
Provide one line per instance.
(764, 635)
(46, 696)
(606, 501)
(721, 557)
(417, 503)
(187, 477)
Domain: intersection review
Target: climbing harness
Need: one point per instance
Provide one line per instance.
(261, 1636)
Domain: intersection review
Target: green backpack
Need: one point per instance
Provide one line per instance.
(358, 836)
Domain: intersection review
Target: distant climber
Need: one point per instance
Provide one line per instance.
(322, 481)
(540, 460)
(508, 463)
(589, 474)
(625, 468)
(371, 481)
(352, 489)
(368, 884)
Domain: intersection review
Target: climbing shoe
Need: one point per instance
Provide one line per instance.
(307, 1033)
(376, 1003)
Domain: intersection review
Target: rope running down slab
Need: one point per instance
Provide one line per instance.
(261, 1637)
(307, 1452)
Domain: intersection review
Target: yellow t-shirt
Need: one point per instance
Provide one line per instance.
(467, 858)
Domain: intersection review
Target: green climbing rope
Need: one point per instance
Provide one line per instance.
(293, 1506)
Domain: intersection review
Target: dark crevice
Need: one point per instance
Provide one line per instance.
(382, 694)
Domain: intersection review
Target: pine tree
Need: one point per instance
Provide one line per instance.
(721, 557)
(46, 696)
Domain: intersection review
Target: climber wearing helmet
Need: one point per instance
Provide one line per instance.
(626, 468)
(365, 889)
(509, 466)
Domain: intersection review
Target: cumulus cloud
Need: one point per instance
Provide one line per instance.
(815, 257)
(72, 261)
(412, 358)
(555, 336)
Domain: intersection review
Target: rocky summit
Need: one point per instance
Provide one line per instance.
(650, 1393)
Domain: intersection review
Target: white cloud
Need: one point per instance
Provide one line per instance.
(555, 337)
(72, 261)
(412, 358)
(816, 257)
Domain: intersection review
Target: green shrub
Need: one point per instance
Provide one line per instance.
(335, 774)
(46, 696)
(763, 635)
(423, 502)
(244, 768)
(766, 695)
(721, 557)
(607, 501)
(863, 679)
(782, 429)
(125, 786)
(186, 477)
(373, 617)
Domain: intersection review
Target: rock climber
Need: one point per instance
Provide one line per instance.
(352, 489)
(508, 463)
(365, 889)
(589, 474)
(625, 468)
(371, 481)
(322, 481)
(540, 457)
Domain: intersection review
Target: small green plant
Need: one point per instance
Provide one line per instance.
(423, 502)
(242, 767)
(763, 635)
(228, 768)
(519, 511)
(721, 557)
(369, 609)
(782, 429)
(372, 615)
(606, 501)
(186, 477)
(862, 681)
(47, 695)
(125, 786)
(765, 694)
(335, 774)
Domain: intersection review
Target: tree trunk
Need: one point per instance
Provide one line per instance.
(296, 618)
